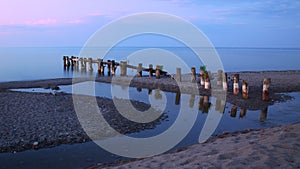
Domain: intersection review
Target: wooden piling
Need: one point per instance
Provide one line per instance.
(236, 78)
(178, 74)
(90, 61)
(100, 64)
(76, 63)
(108, 67)
(207, 81)
(193, 71)
(140, 70)
(150, 70)
(157, 71)
(220, 77)
(225, 86)
(266, 86)
(72, 61)
(113, 67)
(202, 80)
(245, 90)
(123, 68)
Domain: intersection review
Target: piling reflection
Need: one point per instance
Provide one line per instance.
(243, 112)
(206, 104)
(263, 114)
(233, 111)
(192, 100)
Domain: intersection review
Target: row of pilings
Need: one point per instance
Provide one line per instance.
(205, 76)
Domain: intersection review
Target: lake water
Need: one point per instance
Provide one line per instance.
(26, 63)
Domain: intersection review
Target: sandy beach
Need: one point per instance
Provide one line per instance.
(276, 147)
(39, 120)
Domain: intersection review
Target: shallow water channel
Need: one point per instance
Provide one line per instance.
(203, 108)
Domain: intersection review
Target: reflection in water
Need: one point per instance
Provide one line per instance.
(204, 104)
(177, 99)
(243, 112)
(158, 95)
(149, 91)
(233, 111)
(263, 114)
(192, 100)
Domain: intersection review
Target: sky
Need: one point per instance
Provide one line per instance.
(230, 23)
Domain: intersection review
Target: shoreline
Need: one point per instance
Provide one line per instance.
(275, 147)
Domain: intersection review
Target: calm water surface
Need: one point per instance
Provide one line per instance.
(43, 63)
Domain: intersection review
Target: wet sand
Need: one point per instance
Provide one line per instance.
(276, 147)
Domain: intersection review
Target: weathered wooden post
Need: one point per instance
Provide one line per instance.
(113, 67)
(177, 99)
(150, 70)
(72, 61)
(207, 81)
(100, 64)
(233, 111)
(84, 65)
(77, 63)
(236, 79)
(123, 68)
(202, 80)
(66, 62)
(192, 101)
(245, 90)
(263, 114)
(193, 71)
(157, 71)
(225, 86)
(108, 67)
(220, 77)
(90, 61)
(266, 86)
(178, 74)
(243, 112)
(80, 62)
(140, 70)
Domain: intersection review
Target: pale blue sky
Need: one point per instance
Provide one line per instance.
(230, 23)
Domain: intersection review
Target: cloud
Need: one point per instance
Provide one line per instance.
(48, 21)
(76, 21)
